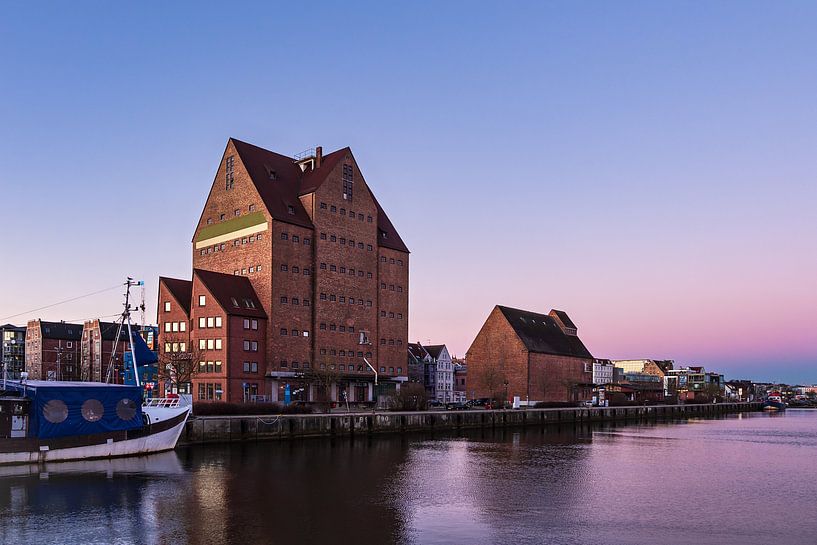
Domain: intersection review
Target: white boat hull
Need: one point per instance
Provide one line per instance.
(161, 440)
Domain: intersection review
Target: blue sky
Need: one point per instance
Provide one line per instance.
(648, 167)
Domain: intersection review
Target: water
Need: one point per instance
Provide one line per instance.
(739, 480)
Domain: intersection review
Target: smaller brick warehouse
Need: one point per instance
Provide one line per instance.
(538, 357)
(53, 350)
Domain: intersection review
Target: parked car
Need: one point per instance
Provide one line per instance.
(435, 404)
(481, 402)
(456, 406)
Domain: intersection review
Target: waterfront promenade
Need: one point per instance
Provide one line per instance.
(222, 429)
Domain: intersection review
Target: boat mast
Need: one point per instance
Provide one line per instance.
(123, 320)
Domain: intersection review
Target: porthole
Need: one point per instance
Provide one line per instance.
(126, 409)
(55, 411)
(92, 410)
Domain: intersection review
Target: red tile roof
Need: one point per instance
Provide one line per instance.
(181, 290)
(234, 293)
(290, 183)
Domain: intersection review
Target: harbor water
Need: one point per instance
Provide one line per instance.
(740, 479)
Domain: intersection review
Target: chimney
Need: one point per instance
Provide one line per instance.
(318, 157)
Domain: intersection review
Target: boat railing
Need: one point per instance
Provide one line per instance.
(165, 402)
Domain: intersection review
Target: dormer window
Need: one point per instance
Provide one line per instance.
(291, 209)
(233, 299)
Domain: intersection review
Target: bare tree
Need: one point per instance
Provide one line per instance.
(411, 397)
(179, 368)
(494, 379)
(323, 375)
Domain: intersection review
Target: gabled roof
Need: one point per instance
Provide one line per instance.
(290, 183)
(234, 293)
(417, 351)
(60, 330)
(107, 330)
(182, 291)
(542, 334)
(280, 193)
(562, 315)
(312, 179)
(434, 350)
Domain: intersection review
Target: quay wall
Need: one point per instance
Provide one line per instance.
(224, 429)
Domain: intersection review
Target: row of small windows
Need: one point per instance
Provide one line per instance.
(294, 364)
(351, 214)
(334, 327)
(343, 353)
(209, 322)
(294, 301)
(175, 347)
(294, 333)
(391, 287)
(209, 344)
(247, 270)
(210, 367)
(250, 346)
(236, 242)
(343, 270)
(55, 411)
(296, 269)
(250, 367)
(236, 213)
(391, 260)
(342, 299)
(174, 327)
(350, 242)
(383, 314)
(296, 239)
(391, 342)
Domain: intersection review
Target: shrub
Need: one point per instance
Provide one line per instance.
(411, 397)
(553, 404)
(218, 408)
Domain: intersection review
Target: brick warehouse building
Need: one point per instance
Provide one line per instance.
(324, 262)
(538, 357)
(53, 350)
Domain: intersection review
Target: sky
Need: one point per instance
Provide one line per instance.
(648, 167)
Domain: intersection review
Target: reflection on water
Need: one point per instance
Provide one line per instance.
(742, 479)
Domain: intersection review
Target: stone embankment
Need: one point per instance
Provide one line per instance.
(223, 429)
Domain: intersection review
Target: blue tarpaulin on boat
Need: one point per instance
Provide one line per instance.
(144, 355)
(61, 409)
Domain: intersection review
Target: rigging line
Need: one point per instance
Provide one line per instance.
(93, 318)
(63, 302)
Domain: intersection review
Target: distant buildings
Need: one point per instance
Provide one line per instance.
(536, 357)
(602, 372)
(688, 383)
(12, 349)
(433, 367)
(460, 381)
(53, 350)
(444, 391)
(97, 348)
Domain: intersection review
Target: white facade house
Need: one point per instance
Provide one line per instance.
(602, 372)
(444, 391)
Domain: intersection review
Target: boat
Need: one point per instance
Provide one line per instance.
(52, 421)
(774, 402)
(55, 421)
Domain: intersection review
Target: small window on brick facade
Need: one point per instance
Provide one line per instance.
(323, 206)
(236, 212)
(284, 236)
(296, 238)
(307, 241)
(284, 268)
(333, 208)
(229, 171)
(323, 236)
(291, 209)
